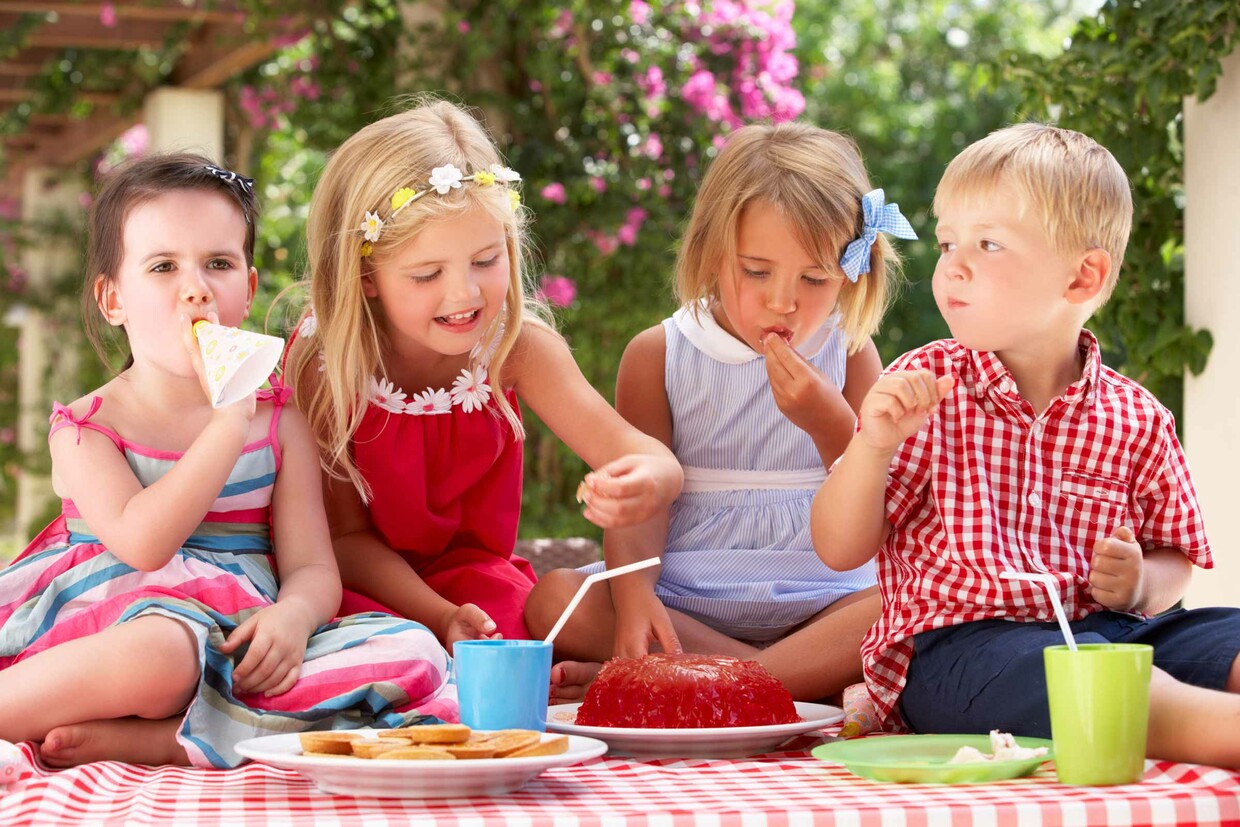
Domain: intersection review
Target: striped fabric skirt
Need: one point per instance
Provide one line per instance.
(360, 670)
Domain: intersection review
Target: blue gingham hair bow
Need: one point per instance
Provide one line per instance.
(878, 218)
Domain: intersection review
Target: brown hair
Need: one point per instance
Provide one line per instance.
(134, 184)
(815, 178)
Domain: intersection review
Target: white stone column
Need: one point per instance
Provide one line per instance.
(48, 342)
(1212, 301)
(190, 120)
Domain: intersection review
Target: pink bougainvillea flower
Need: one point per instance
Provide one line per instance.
(107, 15)
(558, 291)
(555, 193)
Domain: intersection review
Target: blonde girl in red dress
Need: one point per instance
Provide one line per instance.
(409, 368)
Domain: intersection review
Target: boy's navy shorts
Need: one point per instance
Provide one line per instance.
(989, 674)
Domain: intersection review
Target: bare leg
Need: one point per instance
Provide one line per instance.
(590, 632)
(823, 656)
(1192, 724)
(147, 667)
(134, 740)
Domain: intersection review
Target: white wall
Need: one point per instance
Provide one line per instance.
(1212, 300)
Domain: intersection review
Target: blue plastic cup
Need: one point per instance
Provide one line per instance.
(503, 684)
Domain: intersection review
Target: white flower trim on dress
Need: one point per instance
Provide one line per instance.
(470, 392)
(309, 325)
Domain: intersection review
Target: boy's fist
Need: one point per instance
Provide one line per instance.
(1115, 571)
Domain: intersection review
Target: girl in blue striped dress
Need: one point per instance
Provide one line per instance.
(753, 383)
(148, 623)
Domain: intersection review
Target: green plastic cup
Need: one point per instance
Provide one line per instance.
(1100, 708)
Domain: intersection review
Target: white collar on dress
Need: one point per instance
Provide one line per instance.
(708, 336)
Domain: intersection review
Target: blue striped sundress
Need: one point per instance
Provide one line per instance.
(739, 556)
(359, 670)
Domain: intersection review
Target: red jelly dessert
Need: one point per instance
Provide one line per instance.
(662, 691)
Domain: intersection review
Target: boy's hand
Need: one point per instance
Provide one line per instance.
(897, 406)
(1116, 571)
(630, 489)
(468, 622)
(801, 391)
(277, 637)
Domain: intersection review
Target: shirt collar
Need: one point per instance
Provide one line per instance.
(991, 372)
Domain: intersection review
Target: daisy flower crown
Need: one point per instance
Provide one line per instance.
(442, 181)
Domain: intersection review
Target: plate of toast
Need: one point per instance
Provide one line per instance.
(430, 761)
(715, 742)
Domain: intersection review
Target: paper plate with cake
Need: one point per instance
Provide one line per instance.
(689, 706)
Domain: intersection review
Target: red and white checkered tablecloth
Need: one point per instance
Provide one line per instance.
(785, 788)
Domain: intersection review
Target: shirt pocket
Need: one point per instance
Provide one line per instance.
(1092, 505)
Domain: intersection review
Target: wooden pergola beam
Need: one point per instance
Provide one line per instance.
(87, 33)
(97, 98)
(169, 13)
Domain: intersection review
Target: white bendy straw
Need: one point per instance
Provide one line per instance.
(1048, 583)
(590, 581)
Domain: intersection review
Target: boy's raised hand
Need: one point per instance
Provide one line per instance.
(468, 622)
(801, 391)
(1116, 571)
(630, 489)
(277, 636)
(897, 406)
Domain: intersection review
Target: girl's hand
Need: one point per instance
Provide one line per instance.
(801, 391)
(1115, 571)
(898, 405)
(244, 407)
(468, 622)
(641, 623)
(277, 636)
(630, 489)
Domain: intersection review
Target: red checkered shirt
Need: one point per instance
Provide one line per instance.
(988, 486)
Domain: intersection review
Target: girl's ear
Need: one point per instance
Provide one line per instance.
(253, 288)
(369, 290)
(1092, 272)
(108, 299)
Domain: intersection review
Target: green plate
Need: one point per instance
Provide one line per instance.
(922, 759)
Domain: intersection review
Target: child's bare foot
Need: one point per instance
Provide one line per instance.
(570, 680)
(133, 740)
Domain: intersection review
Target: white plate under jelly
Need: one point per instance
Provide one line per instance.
(390, 778)
(719, 742)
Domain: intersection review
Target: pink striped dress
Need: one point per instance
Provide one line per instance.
(359, 670)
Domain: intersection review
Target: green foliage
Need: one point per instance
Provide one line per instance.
(1122, 81)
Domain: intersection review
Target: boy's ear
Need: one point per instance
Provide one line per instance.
(1093, 270)
(108, 299)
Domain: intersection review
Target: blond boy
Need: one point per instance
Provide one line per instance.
(1011, 447)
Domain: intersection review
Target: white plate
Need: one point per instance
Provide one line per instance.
(345, 775)
(720, 742)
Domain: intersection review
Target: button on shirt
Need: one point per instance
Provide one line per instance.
(989, 486)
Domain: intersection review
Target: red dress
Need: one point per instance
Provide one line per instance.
(445, 478)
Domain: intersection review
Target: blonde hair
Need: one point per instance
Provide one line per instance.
(361, 176)
(815, 178)
(1076, 189)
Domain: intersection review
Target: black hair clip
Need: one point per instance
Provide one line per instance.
(231, 177)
